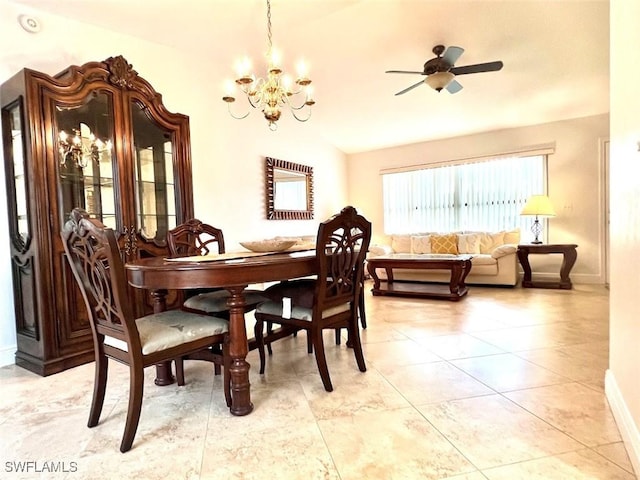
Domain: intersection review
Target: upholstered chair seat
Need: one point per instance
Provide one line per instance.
(160, 331)
(215, 302)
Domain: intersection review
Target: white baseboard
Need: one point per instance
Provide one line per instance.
(7, 355)
(586, 278)
(578, 278)
(628, 429)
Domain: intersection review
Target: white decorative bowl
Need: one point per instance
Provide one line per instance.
(265, 246)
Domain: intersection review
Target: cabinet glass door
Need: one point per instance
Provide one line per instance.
(85, 158)
(15, 158)
(154, 176)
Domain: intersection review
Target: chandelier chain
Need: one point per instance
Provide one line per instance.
(269, 36)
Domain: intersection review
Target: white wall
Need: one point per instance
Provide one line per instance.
(228, 155)
(623, 378)
(575, 177)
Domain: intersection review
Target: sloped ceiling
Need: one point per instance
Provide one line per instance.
(555, 54)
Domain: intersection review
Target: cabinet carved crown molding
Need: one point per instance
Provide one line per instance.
(122, 73)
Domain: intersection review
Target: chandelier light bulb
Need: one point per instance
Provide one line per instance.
(287, 83)
(243, 67)
(309, 92)
(302, 69)
(275, 58)
(229, 88)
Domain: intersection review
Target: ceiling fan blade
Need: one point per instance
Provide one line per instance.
(477, 68)
(403, 71)
(454, 86)
(452, 54)
(410, 88)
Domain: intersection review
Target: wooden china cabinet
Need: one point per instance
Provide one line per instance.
(98, 137)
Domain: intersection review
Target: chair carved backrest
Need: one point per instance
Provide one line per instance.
(195, 238)
(94, 258)
(341, 247)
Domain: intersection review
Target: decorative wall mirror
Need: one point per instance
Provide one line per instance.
(289, 190)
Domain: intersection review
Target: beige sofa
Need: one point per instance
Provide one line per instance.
(494, 261)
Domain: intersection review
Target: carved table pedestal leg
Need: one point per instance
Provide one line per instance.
(238, 349)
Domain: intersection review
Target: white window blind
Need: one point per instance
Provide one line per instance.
(484, 195)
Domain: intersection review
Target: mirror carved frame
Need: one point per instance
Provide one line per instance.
(273, 164)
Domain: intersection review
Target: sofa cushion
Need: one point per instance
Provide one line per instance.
(421, 244)
(482, 271)
(482, 259)
(444, 243)
(469, 242)
(377, 250)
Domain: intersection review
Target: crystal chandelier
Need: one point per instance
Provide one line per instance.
(74, 148)
(274, 92)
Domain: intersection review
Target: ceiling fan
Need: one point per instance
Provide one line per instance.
(441, 72)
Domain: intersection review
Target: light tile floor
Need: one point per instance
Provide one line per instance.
(506, 384)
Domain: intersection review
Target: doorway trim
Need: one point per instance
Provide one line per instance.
(603, 149)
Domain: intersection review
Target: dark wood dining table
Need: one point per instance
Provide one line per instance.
(232, 273)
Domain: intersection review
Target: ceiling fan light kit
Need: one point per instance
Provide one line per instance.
(441, 71)
(439, 80)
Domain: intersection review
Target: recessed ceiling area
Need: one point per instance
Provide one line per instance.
(555, 55)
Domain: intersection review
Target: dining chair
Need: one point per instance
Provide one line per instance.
(329, 301)
(95, 260)
(194, 238)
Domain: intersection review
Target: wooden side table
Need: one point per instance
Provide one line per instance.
(569, 259)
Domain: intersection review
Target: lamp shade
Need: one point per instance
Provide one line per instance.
(539, 205)
(439, 80)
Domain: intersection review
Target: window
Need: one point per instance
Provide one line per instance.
(484, 195)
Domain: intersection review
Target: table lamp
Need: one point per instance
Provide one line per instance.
(540, 206)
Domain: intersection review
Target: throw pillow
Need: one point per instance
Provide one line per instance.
(469, 243)
(490, 241)
(512, 236)
(444, 243)
(421, 244)
(401, 243)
